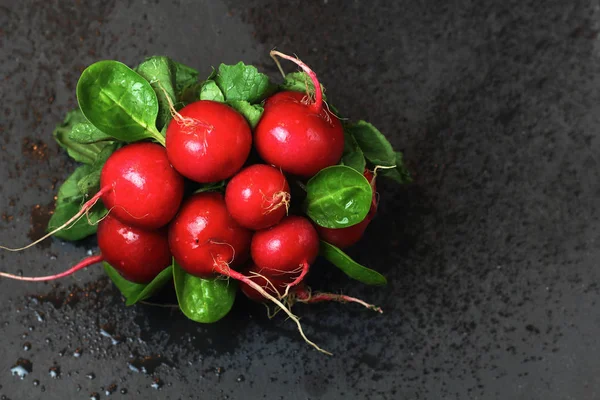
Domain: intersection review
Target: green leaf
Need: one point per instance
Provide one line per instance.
(252, 112)
(374, 145)
(184, 76)
(300, 82)
(91, 182)
(160, 71)
(136, 292)
(338, 197)
(119, 102)
(353, 156)
(203, 300)
(400, 174)
(350, 267)
(212, 187)
(84, 153)
(243, 82)
(210, 91)
(86, 133)
(68, 203)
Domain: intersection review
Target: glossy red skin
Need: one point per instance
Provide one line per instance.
(253, 295)
(214, 147)
(345, 237)
(146, 190)
(255, 196)
(138, 254)
(294, 137)
(281, 250)
(203, 235)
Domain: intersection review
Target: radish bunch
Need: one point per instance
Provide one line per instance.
(231, 177)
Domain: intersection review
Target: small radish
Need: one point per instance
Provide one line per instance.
(206, 242)
(286, 250)
(140, 187)
(258, 196)
(204, 238)
(346, 237)
(137, 254)
(273, 286)
(299, 136)
(208, 141)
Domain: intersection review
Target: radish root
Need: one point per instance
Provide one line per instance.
(82, 264)
(307, 297)
(80, 214)
(318, 104)
(225, 270)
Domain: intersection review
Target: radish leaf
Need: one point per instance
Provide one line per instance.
(243, 82)
(136, 292)
(338, 197)
(119, 102)
(353, 156)
(82, 152)
(68, 203)
(210, 91)
(159, 71)
(203, 300)
(400, 174)
(252, 112)
(350, 267)
(374, 145)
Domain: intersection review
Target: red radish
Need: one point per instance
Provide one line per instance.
(286, 250)
(258, 196)
(297, 135)
(143, 188)
(137, 254)
(208, 141)
(204, 238)
(346, 237)
(273, 286)
(303, 295)
(207, 242)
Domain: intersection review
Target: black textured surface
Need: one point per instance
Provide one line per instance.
(491, 254)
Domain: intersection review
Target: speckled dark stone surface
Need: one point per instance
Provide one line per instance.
(492, 254)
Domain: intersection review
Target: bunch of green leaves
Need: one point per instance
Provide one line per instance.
(120, 105)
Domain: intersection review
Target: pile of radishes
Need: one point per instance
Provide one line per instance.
(231, 177)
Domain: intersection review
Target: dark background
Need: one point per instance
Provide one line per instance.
(492, 253)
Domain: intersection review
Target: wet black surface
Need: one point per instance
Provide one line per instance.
(491, 254)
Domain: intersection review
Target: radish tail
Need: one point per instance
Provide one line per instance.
(82, 264)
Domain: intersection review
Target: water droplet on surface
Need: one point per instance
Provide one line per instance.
(110, 389)
(21, 368)
(241, 378)
(26, 346)
(219, 371)
(39, 316)
(48, 340)
(123, 391)
(54, 372)
(36, 382)
(156, 384)
(94, 396)
(31, 328)
(77, 352)
(90, 376)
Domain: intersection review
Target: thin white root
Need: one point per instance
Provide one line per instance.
(74, 219)
(277, 63)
